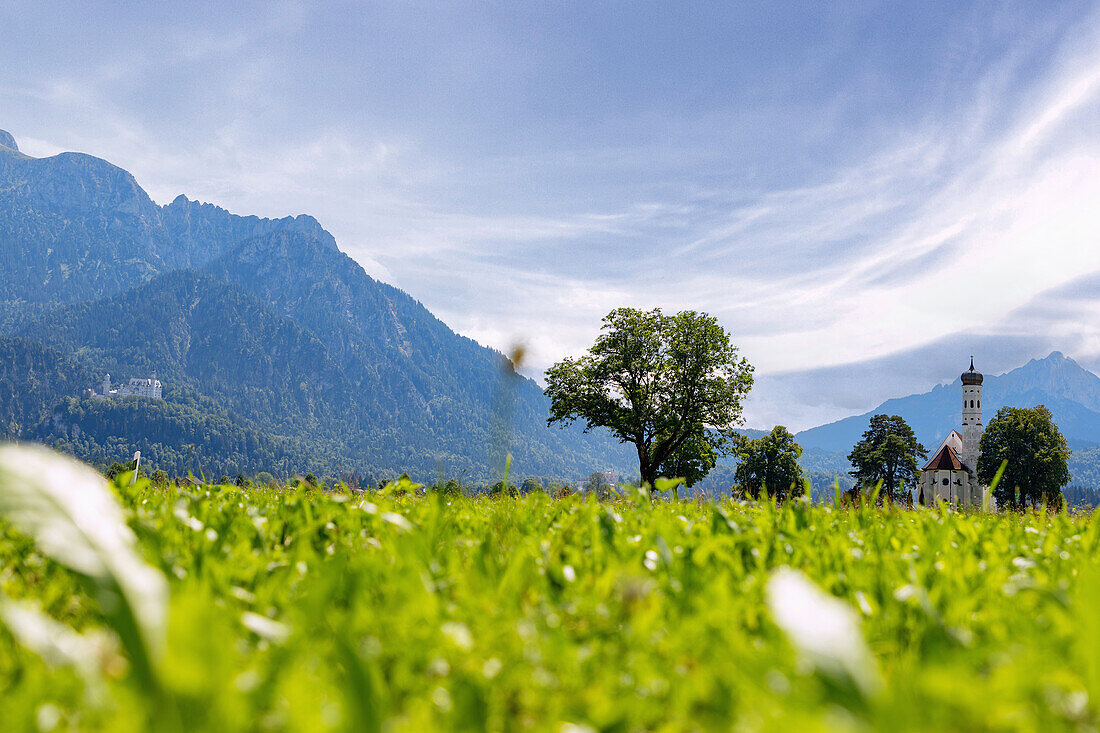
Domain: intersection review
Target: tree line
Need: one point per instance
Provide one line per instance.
(673, 386)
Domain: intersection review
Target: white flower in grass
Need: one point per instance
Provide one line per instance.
(398, 520)
(822, 628)
(265, 628)
(55, 643)
(73, 517)
(459, 634)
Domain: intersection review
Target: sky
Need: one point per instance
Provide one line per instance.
(864, 194)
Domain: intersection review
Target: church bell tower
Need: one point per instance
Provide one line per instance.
(972, 426)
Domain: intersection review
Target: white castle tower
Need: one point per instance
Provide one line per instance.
(107, 384)
(972, 426)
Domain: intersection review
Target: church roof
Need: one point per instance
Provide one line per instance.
(945, 460)
(953, 439)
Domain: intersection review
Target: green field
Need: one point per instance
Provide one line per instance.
(307, 610)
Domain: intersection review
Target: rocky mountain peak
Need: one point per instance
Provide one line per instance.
(7, 141)
(207, 221)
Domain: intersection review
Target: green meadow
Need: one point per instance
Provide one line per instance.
(408, 610)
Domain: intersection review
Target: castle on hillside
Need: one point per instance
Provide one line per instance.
(150, 388)
(952, 474)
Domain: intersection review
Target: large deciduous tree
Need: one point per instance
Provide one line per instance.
(888, 453)
(770, 463)
(672, 385)
(1036, 453)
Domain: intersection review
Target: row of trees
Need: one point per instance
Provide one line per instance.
(1025, 441)
(673, 386)
(887, 459)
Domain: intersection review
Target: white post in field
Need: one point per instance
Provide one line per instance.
(137, 464)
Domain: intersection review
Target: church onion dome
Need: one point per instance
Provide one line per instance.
(970, 376)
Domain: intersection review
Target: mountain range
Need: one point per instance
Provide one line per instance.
(277, 351)
(1070, 391)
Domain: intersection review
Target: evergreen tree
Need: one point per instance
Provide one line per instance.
(769, 463)
(888, 453)
(530, 486)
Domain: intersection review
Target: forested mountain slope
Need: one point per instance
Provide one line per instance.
(179, 439)
(42, 397)
(206, 335)
(409, 368)
(33, 378)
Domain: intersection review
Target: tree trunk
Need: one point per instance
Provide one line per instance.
(646, 470)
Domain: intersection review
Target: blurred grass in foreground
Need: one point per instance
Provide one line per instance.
(306, 610)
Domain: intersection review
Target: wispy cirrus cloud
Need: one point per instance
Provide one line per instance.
(948, 234)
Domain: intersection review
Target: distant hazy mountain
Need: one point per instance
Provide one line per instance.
(1071, 392)
(265, 333)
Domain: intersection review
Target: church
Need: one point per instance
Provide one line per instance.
(952, 474)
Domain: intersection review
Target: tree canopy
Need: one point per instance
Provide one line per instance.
(887, 453)
(769, 463)
(672, 385)
(1036, 452)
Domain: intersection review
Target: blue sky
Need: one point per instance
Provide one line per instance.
(863, 193)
